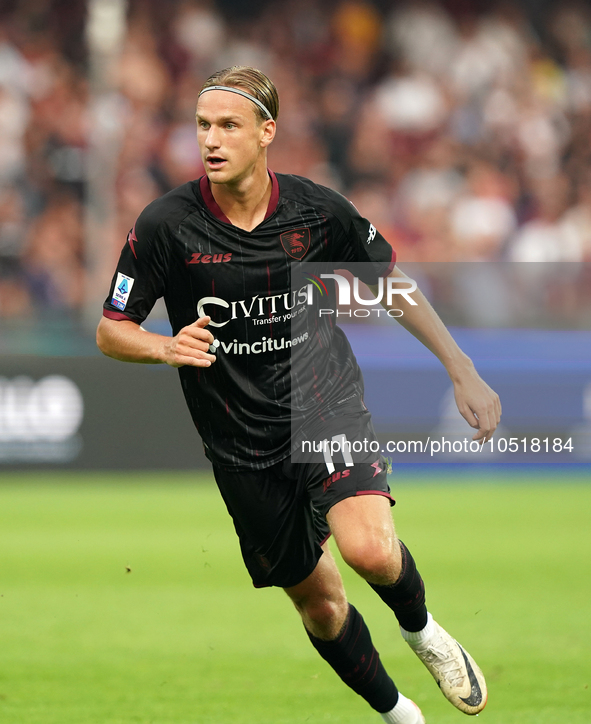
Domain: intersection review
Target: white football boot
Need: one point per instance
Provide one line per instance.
(455, 671)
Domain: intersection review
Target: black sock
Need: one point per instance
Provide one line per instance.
(406, 597)
(353, 656)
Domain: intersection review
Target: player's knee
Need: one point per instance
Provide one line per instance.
(325, 613)
(323, 616)
(372, 561)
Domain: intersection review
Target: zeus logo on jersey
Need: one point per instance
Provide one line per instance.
(122, 291)
(201, 258)
(372, 233)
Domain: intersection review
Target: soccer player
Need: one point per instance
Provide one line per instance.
(222, 251)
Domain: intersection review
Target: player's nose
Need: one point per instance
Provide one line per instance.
(212, 140)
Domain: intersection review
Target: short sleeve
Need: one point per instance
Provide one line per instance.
(361, 242)
(140, 276)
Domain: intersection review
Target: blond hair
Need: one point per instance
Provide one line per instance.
(251, 80)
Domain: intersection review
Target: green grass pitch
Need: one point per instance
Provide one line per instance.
(123, 600)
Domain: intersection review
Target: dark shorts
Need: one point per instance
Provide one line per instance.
(280, 512)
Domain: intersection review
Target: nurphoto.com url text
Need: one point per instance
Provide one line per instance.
(442, 445)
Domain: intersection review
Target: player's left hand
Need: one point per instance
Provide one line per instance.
(478, 404)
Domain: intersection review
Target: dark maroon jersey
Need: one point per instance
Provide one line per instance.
(182, 247)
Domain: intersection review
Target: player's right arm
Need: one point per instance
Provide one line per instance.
(140, 279)
(128, 341)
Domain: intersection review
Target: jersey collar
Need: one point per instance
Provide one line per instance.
(212, 205)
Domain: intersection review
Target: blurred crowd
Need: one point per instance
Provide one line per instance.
(462, 130)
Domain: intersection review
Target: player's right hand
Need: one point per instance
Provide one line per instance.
(190, 346)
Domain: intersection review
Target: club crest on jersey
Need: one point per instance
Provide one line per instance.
(296, 243)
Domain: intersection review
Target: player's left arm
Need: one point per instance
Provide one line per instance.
(476, 401)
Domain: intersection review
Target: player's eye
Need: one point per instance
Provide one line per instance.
(230, 125)
(204, 125)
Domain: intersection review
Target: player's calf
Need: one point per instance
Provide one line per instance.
(406, 597)
(353, 657)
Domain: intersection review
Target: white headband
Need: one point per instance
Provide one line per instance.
(263, 108)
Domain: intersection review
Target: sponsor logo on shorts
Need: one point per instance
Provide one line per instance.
(264, 561)
(333, 478)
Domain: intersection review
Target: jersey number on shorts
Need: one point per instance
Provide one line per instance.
(338, 443)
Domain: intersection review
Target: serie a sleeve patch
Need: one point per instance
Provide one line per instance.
(122, 291)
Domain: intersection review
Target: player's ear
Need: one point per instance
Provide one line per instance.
(268, 132)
